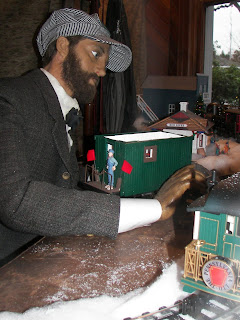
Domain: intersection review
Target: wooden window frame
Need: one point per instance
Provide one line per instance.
(153, 154)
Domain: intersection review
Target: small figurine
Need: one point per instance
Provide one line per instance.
(217, 149)
(111, 166)
(226, 148)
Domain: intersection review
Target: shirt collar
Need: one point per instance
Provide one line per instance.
(66, 102)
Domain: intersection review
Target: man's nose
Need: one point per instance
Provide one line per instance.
(101, 68)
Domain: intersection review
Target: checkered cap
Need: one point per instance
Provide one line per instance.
(71, 22)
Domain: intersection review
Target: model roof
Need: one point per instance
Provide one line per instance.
(142, 136)
(185, 120)
(223, 198)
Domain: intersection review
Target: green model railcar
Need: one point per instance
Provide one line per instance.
(153, 157)
(212, 259)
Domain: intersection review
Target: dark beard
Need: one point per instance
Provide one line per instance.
(78, 80)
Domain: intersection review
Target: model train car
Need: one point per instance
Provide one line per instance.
(145, 161)
(212, 259)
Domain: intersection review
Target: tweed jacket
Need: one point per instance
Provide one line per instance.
(38, 185)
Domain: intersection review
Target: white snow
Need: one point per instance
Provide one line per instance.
(163, 292)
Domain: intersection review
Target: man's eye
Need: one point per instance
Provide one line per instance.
(95, 54)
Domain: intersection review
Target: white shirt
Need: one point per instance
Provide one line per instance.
(134, 213)
(66, 102)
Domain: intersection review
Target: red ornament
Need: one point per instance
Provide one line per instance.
(127, 167)
(91, 155)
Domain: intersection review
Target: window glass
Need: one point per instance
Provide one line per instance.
(171, 108)
(150, 154)
(230, 225)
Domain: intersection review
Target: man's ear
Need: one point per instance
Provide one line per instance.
(62, 46)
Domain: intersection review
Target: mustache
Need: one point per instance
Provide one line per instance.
(95, 77)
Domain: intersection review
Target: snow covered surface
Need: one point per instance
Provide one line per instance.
(163, 292)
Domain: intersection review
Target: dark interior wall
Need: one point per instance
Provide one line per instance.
(135, 11)
(19, 22)
(187, 32)
(173, 33)
(157, 15)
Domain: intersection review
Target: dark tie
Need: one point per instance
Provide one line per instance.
(73, 118)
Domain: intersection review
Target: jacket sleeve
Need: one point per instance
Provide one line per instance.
(36, 205)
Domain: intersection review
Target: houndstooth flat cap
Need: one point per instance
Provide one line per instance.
(71, 22)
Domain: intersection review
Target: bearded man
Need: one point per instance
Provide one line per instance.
(39, 170)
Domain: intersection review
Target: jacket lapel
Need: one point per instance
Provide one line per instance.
(59, 128)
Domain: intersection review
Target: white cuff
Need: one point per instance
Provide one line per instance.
(135, 213)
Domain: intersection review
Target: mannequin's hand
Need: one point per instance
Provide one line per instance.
(191, 176)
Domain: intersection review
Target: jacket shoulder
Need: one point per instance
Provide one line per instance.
(30, 86)
(29, 78)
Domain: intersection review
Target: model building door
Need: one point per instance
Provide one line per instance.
(211, 227)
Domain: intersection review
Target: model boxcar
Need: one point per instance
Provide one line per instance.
(152, 157)
(212, 259)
